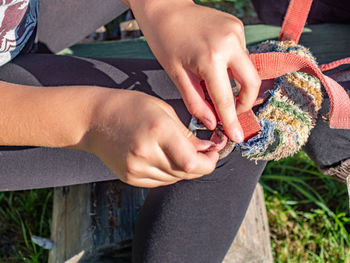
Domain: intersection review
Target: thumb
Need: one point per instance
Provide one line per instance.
(199, 145)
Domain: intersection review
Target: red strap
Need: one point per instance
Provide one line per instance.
(272, 65)
(334, 64)
(294, 21)
(275, 64)
(249, 123)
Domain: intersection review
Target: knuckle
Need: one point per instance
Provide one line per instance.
(139, 150)
(245, 105)
(232, 35)
(165, 105)
(130, 165)
(225, 103)
(211, 57)
(202, 67)
(255, 83)
(170, 109)
(194, 108)
(155, 127)
(234, 23)
(248, 96)
(177, 77)
(214, 56)
(128, 179)
(234, 31)
(238, 26)
(189, 166)
(185, 176)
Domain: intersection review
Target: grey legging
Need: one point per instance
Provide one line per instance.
(190, 221)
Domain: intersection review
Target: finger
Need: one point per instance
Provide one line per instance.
(184, 157)
(220, 91)
(202, 145)
(150, 183)
(199, 144)
(245, 73)
(194, 97)
(147, 168)
(167, 165)
(158, 174)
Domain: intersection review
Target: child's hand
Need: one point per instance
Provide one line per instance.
(142, 141)
(195, 43)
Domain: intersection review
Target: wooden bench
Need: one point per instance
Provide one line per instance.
(94, 222)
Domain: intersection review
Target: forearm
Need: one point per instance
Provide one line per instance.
(156, 18)
(37, 116)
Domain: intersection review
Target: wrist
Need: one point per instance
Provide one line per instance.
(67, 114)
(147, 10)
(106, 107)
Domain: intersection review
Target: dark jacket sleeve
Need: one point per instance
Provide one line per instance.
(322, 11)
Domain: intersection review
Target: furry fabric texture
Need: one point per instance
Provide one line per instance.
(290, 111)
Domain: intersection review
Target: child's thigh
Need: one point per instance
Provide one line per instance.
(330, 148)
(196, 220)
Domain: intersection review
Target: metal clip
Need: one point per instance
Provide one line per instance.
(195, 125)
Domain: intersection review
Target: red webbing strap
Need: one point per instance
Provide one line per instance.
(249, 123)
(334, 64)
(274, 64)
(295, 19)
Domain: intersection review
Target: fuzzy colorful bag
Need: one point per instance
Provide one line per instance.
(286, 111)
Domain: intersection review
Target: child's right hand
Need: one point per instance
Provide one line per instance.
(143, 142)
(196, 45)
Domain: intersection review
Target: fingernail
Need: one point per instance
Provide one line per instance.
(211, 148)
(207, 143)
(205, 146)
(238, 135)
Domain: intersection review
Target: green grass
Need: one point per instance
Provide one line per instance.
(22, 214)
(307, 211)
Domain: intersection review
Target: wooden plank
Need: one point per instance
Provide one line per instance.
(252, 243)
(70, 222)
(95, 223)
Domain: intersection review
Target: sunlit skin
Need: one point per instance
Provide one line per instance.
(195, 43)
(139, 137)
